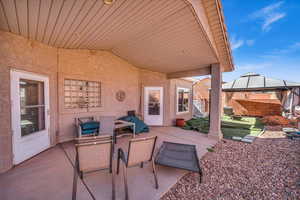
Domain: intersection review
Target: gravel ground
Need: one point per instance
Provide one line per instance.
(267, 169)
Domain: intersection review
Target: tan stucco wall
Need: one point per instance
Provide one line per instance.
(174, 84)
(113, 73)
(149, 79)
(19, 53)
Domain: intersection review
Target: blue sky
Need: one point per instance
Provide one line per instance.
(265, 37)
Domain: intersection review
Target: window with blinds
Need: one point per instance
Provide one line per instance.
(82, 94)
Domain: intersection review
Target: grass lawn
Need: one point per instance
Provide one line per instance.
(230, 127)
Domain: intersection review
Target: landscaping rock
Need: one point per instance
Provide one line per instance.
(267, 169)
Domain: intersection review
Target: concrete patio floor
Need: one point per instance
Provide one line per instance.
(49, 175)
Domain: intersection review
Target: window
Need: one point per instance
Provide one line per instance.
(82, 94)
(32, 102)
(183, 96)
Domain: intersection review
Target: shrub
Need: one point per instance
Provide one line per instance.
(276, 120)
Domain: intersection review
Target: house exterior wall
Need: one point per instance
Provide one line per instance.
(113, 72)
(148, 79)
(19, 53)
(201, 91)
(174, 84)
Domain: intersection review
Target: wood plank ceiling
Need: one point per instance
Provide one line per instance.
(163, 36)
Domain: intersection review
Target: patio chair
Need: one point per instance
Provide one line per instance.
(86, 126)
(107, 126)
(134, 114)
(93, 154)
(140, 151)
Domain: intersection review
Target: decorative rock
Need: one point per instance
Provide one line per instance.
(267, 169)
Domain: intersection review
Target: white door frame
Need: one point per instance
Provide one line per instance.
(27, 146)
(154, 120)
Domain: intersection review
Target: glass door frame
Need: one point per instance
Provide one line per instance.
(153, 120)
(24, 147)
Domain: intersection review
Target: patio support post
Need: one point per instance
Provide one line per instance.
(216, 102)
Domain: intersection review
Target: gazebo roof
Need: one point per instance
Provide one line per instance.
(256, 82)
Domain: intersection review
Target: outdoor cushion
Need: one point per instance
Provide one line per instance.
(90, 127)
(140, 126)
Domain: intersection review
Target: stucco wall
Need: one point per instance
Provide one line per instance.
(114, 73)
(148, 79)
(19, 53)
(174, 84)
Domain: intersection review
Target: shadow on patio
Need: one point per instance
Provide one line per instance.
(49, 175)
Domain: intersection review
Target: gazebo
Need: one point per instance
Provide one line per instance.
(261, 95)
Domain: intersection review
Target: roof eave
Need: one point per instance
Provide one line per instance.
(259, 89)
(222, 43)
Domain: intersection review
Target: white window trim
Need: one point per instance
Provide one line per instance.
(182, 112)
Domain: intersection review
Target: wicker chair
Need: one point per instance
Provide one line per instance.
(139, 151)
(93, 154)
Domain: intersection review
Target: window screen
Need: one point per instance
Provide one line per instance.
(183, 95)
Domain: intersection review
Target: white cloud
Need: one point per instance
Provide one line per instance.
(271, 19)
(250, 42)
(290, 49)
(283, 52)
(269, 15)
(296, 45)
(236, 43)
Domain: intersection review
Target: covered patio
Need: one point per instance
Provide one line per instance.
(116, 47)
(65, 60)
(49, 175)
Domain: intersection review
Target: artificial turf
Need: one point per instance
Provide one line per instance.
(230, 127)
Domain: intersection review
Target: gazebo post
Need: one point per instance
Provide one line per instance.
(216, 104)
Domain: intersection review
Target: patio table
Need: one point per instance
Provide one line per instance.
(122, 124)
(181, 156)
